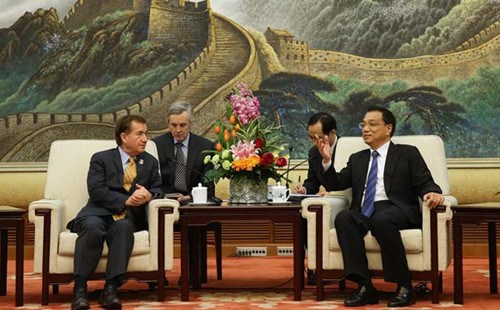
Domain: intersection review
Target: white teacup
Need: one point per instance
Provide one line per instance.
(199, 194)
(280, 193)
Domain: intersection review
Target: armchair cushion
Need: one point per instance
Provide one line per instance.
(67, 241)
(412, 240)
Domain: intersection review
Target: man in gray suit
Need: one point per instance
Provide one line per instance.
(121, 181)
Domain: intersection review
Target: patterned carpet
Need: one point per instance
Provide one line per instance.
(255, 283)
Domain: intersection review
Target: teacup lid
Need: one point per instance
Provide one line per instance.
(278, 184)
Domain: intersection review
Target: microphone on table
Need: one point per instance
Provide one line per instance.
(216, 200)
(296, 166)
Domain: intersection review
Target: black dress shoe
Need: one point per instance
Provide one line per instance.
(311, 277)
(364, 295)
(404, 297)
(80, 300)
(109, 298)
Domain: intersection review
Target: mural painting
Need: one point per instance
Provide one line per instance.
(71, 69)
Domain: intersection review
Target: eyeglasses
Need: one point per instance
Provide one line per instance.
(370, 125)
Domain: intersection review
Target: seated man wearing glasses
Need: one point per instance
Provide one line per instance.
(387, 181)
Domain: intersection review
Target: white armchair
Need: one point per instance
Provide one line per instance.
(65, 194)
(424, 260)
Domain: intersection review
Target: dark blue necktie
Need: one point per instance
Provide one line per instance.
(371, 182)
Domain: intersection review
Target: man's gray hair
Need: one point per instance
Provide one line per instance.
(180, 107)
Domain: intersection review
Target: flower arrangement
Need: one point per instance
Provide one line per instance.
(248, 146)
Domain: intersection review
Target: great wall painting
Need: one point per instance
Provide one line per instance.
(72, 72)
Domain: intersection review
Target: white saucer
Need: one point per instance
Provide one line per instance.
(208, 203)
(279, 203)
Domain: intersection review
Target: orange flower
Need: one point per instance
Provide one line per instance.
(218, 147)
(246, 163)
(226, 135)
(237, 127)
(217, 129)
(232, 119)
(233, 133)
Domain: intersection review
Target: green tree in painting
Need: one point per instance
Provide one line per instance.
(430, 105)
(290, 99)
(354, 108)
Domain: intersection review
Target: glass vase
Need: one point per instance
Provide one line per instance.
(246, 191)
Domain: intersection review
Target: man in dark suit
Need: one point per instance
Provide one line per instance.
(120, 183)
(181, 159)
(322, 125)
(387, 181)
(181, 172)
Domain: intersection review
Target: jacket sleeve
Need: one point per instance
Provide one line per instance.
(156, 188)
(333, 181)
(421, 177)
(312, 183)
(206, 168)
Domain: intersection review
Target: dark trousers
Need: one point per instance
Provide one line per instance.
(384, 224)
(92, 232)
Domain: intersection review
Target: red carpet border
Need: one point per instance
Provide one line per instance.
(254, 283)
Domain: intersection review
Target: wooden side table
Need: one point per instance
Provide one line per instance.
(199, 216)
(12, 218)
(474, 214)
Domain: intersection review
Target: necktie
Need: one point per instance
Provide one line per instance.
(180, 169)
(128, 178)
(371, 182)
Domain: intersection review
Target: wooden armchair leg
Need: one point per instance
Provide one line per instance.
(320, 294)
(45, 292)
(342, 285)
(218, 248)
(203, 254)
(441, 282)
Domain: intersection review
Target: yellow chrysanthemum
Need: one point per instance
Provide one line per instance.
(246, 163)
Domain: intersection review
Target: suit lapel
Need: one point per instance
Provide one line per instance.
(118, 165)
(169, 146)
(390, 165)
(363, 167)
(192, 152)
(139, 164)
(170, 151)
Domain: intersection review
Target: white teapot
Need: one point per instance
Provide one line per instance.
(199, 194)
(280, 193)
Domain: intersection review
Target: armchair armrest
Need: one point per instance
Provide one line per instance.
(162, 213)
(320, 213)
(47, 215)
(435, 235)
